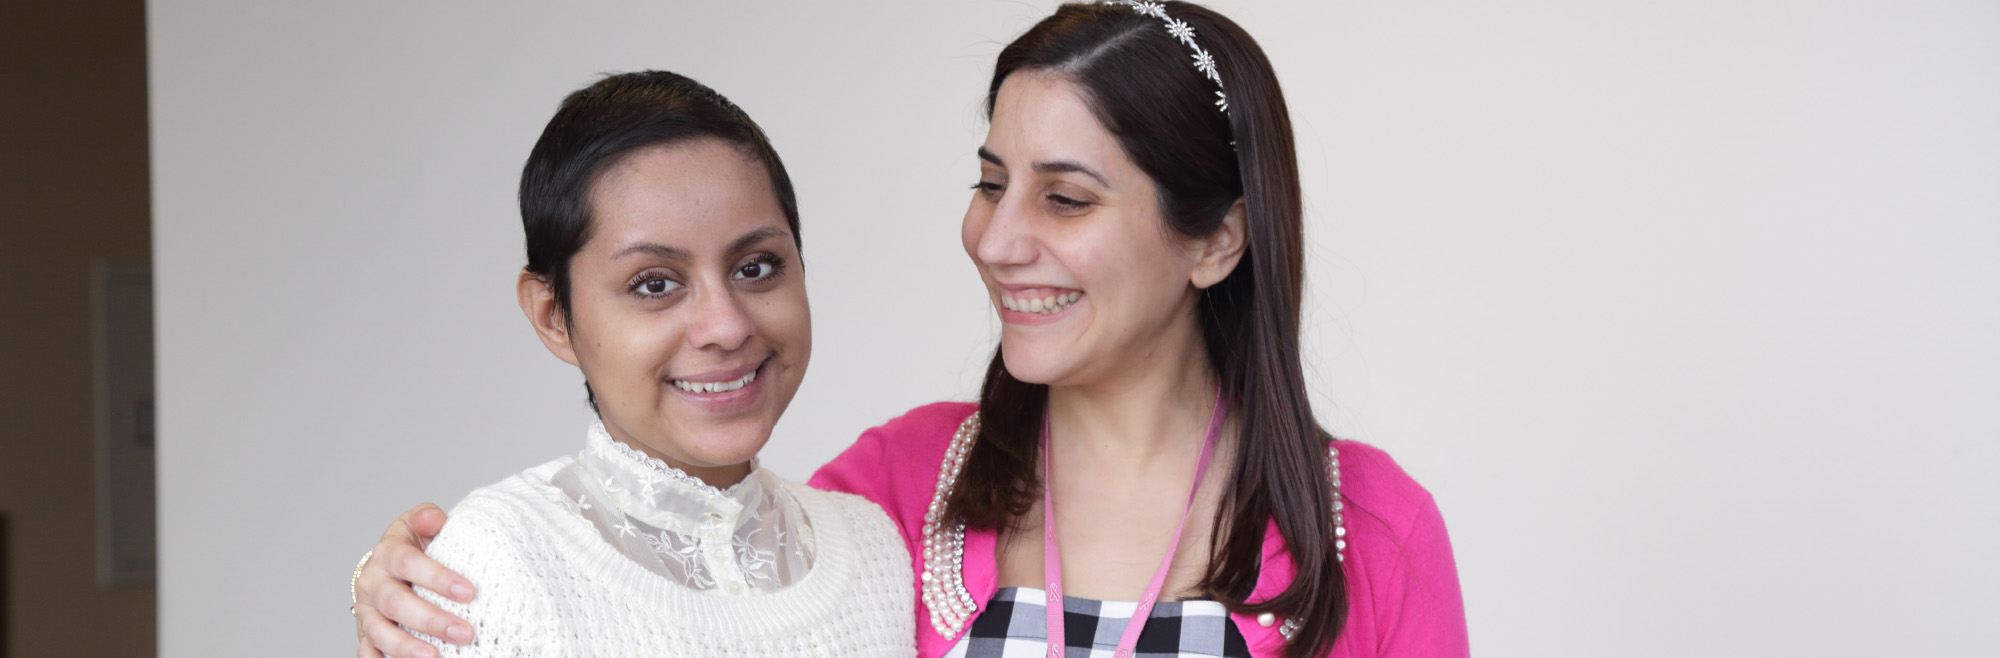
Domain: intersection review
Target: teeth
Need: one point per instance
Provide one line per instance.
(1042, 305)
(716, 387)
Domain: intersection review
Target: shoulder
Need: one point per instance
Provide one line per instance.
(1404, 593)
(495, 518)
(895, 464)
(1388, 514)
(871, 528)
(848, 505)
(856, 538)
(1377, 487)
(498, 537)
(925, 429)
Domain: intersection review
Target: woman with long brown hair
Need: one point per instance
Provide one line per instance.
(1143, 472)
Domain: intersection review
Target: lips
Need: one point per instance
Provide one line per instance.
(716, 387)
(1038, 300)
(720, 381)
(1041, 305)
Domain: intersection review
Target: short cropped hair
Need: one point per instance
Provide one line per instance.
(599, 125)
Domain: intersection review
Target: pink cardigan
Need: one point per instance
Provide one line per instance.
(1402, 583)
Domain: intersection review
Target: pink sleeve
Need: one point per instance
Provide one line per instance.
(1420, 611)
(1402, 579)
(895, 464)
(848, 471)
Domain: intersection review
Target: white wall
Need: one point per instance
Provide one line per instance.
(1687, 312)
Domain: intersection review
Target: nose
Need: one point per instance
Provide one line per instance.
(720, 321)
(1006, 236)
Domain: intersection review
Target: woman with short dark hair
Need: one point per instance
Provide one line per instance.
(663, 262)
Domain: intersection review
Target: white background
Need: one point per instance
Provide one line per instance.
(1688, 312)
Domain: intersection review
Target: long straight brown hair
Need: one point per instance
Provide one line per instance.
(1142, 87)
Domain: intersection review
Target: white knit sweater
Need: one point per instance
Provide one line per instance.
(550, 584)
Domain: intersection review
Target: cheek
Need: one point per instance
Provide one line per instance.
(1124, 270)
(785, 320)
(1097, 260)
(626, 350)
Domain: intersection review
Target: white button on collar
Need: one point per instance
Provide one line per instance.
(1266, 619)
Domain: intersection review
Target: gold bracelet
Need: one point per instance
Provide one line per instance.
(353, 598)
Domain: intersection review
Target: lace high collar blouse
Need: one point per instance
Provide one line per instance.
(750, 538)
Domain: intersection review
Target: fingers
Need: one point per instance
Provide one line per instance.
(380, 637)
(402, 606)
(422, 523)
(405, 564)
(384, 588)
(400, 559)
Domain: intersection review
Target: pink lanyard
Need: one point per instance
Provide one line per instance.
(1052, 558)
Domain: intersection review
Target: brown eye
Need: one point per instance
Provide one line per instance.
(764, 267)
(1066, 202)
(655, 287)
(1067, 206)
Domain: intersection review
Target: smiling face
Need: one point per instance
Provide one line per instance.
(1067, 233)
(688, 310)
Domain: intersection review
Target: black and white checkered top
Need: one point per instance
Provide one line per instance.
(1015, 625)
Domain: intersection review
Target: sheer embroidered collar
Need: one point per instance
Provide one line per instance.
(657, 494)
(751, 537)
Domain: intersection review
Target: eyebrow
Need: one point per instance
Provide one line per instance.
(744, 242)
(1050, 166)
(740, 244)
(652, 249)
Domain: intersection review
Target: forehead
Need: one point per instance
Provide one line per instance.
(1043, 116)
(683, 193)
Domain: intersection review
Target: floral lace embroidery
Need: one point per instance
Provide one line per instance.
(750, 537)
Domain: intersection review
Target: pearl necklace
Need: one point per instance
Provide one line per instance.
(951, 607)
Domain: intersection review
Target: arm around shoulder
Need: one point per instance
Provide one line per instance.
(488, 542)
(895, 465)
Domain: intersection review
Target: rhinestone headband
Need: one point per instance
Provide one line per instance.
(1184, 33)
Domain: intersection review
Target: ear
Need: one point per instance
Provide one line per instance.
(538, 302)
(1221, 250)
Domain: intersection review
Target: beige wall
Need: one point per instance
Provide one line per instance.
(73, 188)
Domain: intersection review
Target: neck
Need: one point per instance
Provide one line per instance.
(1149, 408)
(720, 477)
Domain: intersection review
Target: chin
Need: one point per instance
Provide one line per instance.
(1033, 366)
(727, 444)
